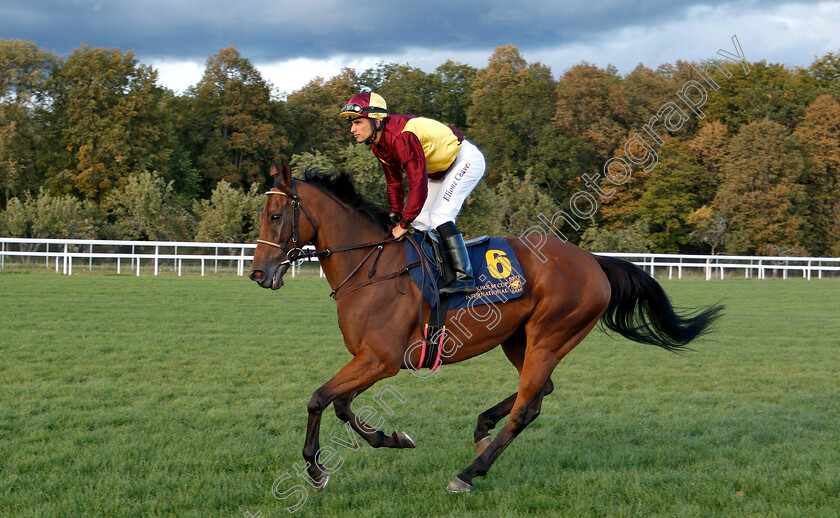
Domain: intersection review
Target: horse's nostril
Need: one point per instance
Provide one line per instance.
(257, 275)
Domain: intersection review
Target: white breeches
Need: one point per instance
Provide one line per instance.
(446, 195)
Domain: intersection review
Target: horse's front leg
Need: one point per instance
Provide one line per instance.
(358, 375)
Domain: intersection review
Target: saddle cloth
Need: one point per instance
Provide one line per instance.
(498, 275)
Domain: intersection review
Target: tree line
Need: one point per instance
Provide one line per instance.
(92, 146)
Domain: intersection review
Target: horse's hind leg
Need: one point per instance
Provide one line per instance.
(488, 419)
(514, 348)
(374, 437)
(541, 357)
(526, 408)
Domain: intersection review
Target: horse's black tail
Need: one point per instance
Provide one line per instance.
(641, 310)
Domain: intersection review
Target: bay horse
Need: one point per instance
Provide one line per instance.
(567, 292)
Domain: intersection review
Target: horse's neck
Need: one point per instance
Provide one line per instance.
(340, 227)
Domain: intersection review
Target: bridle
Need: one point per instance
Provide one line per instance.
(296, 252)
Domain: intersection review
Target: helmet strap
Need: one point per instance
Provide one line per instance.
(377, 126)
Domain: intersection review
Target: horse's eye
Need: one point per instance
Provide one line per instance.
(275, 217)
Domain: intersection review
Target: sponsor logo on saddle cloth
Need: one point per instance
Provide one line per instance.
(498, 275)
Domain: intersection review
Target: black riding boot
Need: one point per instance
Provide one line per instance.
(457, 261)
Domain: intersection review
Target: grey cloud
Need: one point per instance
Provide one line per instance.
(271, 30)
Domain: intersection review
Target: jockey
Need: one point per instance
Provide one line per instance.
(442, 169)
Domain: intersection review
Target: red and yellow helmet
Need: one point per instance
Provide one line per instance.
(365, 104)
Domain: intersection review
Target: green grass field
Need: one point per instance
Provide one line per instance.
(127, 396)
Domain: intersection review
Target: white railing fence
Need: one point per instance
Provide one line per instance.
(716, 266)
(64, 254)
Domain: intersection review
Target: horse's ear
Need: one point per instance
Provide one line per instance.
(284, 172)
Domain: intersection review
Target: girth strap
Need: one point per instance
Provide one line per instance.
(434, 334)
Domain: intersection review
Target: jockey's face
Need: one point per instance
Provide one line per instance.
(361, 128)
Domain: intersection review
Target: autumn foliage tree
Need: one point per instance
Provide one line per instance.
(451, 93)
(591, 107)
(313, 114)
(106, 122)
(760, 193)
(819, 135)
(406, 89)
(511, 104)
(24, 75)
(232, 127)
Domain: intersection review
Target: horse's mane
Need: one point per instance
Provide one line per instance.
(341, 187)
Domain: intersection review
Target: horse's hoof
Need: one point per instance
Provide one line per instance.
(403, 440)
(458, 486)
(482, 444)
(321, 484)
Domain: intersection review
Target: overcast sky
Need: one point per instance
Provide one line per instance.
(291, 42)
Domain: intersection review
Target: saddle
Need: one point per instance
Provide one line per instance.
(433, 250)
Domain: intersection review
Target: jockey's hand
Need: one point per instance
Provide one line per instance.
(395, 218)
(398, 232)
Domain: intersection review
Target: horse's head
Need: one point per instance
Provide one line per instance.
(284, 228)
